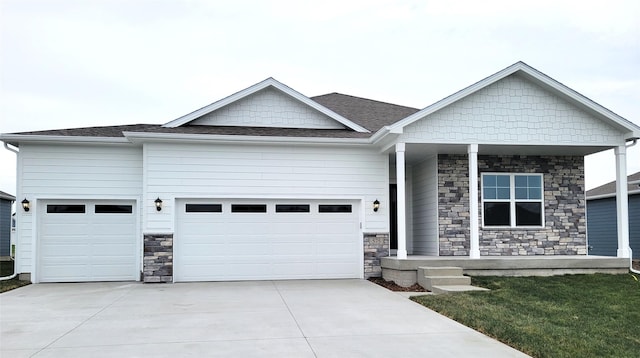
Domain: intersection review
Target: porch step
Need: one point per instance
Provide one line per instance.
(440, 280)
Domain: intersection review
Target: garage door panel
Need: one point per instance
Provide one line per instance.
(87, 246)
(273, 245)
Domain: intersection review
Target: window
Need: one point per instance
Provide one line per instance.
(248, 208)
(334, 208)
(113, 209)
(294, 208)
(203, 208)
(65, 209)
(512, 200)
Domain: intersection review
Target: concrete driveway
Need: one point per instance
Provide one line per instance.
(327, 318)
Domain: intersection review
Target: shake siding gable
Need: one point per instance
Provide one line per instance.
(512, 111)
(262, 171)
(73, 171)
(268, 108)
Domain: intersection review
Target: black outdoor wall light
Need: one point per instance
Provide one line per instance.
(376, 205)
(158, 204)
(25, 204)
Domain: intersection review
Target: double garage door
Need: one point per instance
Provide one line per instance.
(220, 240)
(215, 240)
(87, 241)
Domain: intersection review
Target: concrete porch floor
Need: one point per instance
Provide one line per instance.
(404, 272)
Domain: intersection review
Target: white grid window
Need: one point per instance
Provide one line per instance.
(512, 200)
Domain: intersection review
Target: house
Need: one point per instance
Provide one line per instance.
(6, 201)
(270, 184)
(601, 214)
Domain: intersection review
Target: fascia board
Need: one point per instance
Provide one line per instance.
(260, 86)
(21, 138)
(140, 137)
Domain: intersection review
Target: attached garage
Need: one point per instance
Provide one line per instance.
(81, 240)
(227, 240)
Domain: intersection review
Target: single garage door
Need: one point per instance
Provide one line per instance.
(87, 241)
(224, 240)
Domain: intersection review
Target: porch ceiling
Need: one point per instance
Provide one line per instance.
(416, 152)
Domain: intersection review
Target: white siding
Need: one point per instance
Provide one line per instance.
(268, 108)
(246, 171)
(511, 111)
(72, 171)
(425, 207)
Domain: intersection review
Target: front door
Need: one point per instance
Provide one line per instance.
(393, 216)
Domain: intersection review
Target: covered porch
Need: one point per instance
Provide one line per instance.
(438, 206)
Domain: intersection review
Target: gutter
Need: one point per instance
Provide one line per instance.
(15, 273)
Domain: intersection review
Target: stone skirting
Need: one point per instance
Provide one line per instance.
(158, 258)
(376, 246)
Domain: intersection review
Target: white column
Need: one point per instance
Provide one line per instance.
(474, 239)
(622, 201)
(402, 205)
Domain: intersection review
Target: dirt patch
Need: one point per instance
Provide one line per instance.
(636, 265)
(390, 285)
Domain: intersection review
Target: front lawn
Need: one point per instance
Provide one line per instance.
(6, 269)
(559, 316)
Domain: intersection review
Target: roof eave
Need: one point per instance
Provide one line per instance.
(140, 137)
(611, 195)
(16, 139)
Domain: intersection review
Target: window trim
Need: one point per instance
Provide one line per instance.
(512, 201)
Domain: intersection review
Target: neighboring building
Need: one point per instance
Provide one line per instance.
(602, 227)
(6, 201)
(270, 184)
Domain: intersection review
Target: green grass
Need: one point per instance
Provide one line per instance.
(6, 269)
(560, 316)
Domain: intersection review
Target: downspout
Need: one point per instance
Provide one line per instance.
(15, 273)
(635, 141)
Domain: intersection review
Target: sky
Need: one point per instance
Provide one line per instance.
(67, 64)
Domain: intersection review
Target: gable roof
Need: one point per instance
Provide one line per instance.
(609, 190)
(537, 77)
(269, 82)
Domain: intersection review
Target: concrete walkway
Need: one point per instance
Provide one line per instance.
(328, 318)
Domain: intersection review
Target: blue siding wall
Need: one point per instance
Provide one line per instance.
(5, 228)
(602, 226)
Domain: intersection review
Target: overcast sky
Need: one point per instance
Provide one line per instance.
(68, 64)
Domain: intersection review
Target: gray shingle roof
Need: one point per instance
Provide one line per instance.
(370, 114)
(610, 188)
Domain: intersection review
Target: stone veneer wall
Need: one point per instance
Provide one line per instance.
(376, 246)
(158, 258)
(564, 207)
(453, 205)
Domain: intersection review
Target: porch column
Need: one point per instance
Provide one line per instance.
(474, 239)
(402, 205)
(622, 201)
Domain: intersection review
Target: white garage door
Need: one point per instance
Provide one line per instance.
(223, 240)
(87, 241)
